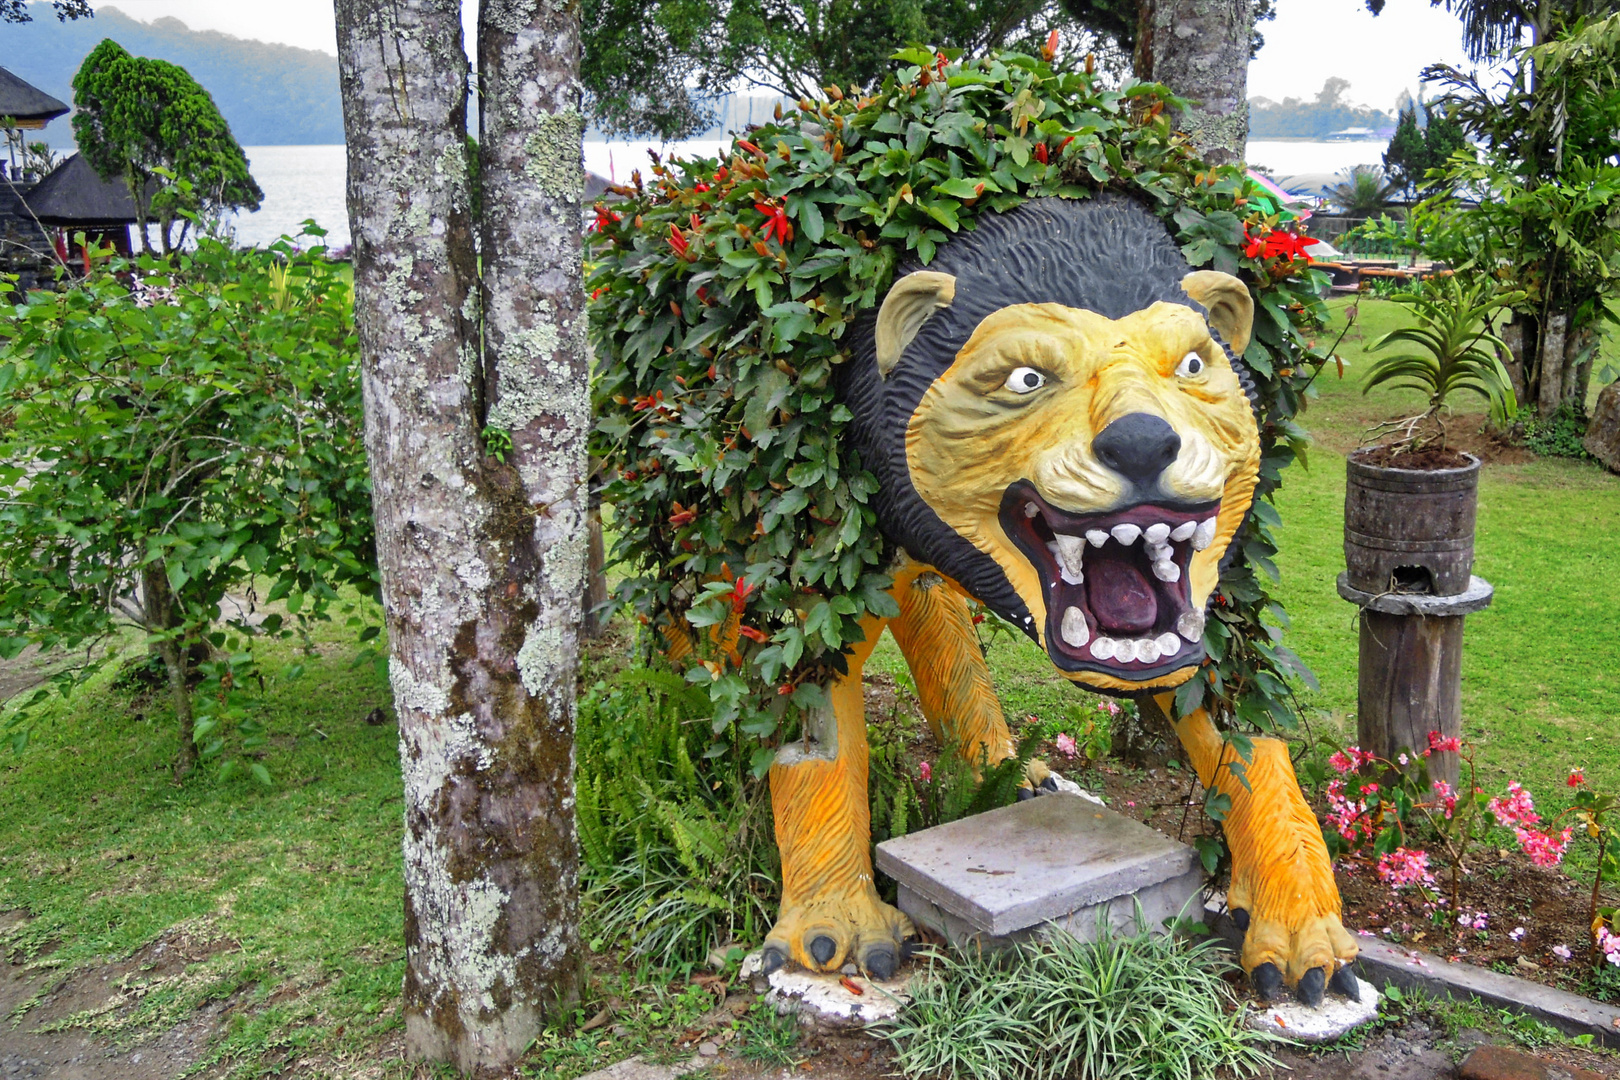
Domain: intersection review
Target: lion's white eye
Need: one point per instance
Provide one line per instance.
(1191, 364)
(1024, 380)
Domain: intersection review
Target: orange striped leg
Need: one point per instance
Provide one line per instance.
(831, 913)
(935, 632)
(1282, 877)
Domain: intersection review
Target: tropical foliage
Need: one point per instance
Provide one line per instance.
(176, 439)
(1363, 192)
(146, 121)
(723, 296)
(1415, 149)
(1455, 351)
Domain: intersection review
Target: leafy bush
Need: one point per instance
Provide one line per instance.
(1143, 1005)
(1561, 435)
(676, 848)
(723, 292)
(180, 432)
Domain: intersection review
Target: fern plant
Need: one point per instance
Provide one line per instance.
(1455, 351)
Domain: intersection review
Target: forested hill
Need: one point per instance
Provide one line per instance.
(269, 94)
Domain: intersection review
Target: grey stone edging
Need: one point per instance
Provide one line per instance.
(1382, 963)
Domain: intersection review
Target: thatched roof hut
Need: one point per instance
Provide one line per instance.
(23, 105)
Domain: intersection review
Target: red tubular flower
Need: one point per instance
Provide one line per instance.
(605, 218)
(739, 595)
(753, 635)
(776, 221)
(677, 241)
(1049, 50)
(750, 147)
(700, 187)
(1041, 153)
(720, 174)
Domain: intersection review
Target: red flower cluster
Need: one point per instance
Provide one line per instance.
(1439, 744)
(1278, 244)
(776, 221)
(605, 218)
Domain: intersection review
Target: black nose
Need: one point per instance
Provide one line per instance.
(1139, 446)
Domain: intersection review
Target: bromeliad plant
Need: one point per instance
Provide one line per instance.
(722, 295)
(1456, 351)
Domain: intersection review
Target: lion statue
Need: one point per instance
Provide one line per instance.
(1062, 429)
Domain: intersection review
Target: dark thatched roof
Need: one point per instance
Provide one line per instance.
(74, 195)
(23, 101)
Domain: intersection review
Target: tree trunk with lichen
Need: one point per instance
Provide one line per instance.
(1200, 49)
(482, 559)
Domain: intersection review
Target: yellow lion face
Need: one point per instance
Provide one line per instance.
(1104, 464)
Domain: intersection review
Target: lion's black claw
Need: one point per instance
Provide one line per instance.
(822, 948)
(881, 962)
(1240, 917)
(1050, 783)
(1267, 980)
(772, 959)
(1025, 794)
(909, 947)
(1344, 982)
(1312, 986)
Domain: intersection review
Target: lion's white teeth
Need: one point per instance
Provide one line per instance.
(1204, 535)
(1147, 650)
(1156, 534)
(1191, 626)
(1103, 648)
(1124, 651)
(1169, 644)
(1158, 552)
(1097, 537)
(1126, 534)
(1070, 551)
(1030, 510)
(1075, 630)
(1184, 530)
(1165, 570)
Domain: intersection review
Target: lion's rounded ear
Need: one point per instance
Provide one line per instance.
(1231, 308)
(910, 302)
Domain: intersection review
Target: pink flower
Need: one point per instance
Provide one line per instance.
(1445, 796)
(1516, 934)
(1610, 944)
(926, 771)
(1543, 848)
(1065, 743)
(1130, 805)
(1404, 760)
(1476, 921)
(1577, 777)
(1515, 809)
(1561, 951)
(1443, 745)
(1341, 762)
(1403, 867)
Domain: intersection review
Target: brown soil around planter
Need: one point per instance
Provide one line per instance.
(1431, 459)
(1512, 891)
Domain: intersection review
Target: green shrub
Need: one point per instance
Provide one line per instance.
(676, 848)
(1560, 435)
(1125, 1006)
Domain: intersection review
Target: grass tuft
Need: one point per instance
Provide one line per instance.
(1121, 1007)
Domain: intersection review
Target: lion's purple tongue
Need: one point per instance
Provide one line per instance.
(1120, 597)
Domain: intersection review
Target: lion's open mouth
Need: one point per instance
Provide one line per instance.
(1118, 590)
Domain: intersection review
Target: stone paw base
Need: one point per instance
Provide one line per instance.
(823, 1002)
(1336, 1016)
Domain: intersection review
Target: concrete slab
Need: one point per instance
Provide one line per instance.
(1056, 859)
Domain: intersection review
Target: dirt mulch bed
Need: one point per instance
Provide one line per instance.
(1392, 456)
(1511, 891)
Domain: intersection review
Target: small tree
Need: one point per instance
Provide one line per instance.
(167, 444)
(1406, 158)
(141, 120)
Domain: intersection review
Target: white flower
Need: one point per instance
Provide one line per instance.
(1517, 933)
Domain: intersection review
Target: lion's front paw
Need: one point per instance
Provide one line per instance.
(1041, 779)
(826, 932)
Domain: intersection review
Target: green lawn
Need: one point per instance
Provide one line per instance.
(299, 885)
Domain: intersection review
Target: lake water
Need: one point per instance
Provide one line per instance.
(308, 181)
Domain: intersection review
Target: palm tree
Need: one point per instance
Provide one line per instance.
(1365, 192)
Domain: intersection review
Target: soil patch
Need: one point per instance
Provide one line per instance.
(1512, 894)
(1395, 456)
(36, 998)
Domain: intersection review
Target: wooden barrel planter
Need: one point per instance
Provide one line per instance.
(1409, 530)
(1409, 549)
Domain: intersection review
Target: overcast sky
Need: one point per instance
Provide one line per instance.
(1309, 40)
